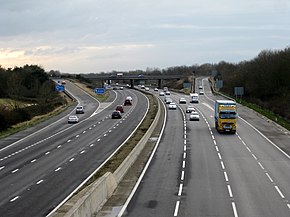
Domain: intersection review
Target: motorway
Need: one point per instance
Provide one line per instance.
(41, 166)
(199, 172)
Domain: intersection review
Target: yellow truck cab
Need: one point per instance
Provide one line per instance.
(225, 116)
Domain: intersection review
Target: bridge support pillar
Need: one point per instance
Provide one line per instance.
(160, 83)
(132, 83)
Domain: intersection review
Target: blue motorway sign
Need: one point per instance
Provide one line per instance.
(59, 88)
(100, 90)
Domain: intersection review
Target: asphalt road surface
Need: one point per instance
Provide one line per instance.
(198, 172)
(39, 168)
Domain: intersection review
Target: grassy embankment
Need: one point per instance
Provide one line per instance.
(35, 120)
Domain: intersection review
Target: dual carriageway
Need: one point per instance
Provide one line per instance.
(194, 172)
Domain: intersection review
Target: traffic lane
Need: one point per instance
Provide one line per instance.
(253, 193)
(248, 181)
(104, 148)
(20, 154)
(206, 191)
(21, 159)
(157, 193)
(57, 123)
(274, 163)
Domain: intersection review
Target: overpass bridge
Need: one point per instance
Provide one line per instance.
(133, 78)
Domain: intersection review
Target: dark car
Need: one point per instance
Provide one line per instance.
(120, 108)
(116, 115)
(127, 102)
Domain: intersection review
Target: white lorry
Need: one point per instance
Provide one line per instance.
(194, 98)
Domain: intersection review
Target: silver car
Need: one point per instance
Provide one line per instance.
(73, 119)
(194, 116)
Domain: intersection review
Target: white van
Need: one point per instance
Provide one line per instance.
(194, 98)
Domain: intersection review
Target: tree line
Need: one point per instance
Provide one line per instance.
(266, 80)
(29, 84)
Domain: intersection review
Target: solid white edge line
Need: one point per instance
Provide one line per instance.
(283, 152)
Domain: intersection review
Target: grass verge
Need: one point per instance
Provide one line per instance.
(35, 120)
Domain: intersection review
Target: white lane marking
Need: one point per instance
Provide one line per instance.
(220, 157)
(226, 176)
(99, 140)
(105, 134)
(40, 181)
(1, 168)
(276, 146)
(269, 177)
(217, 148)
(261, 165)
(82, 152)
(91, 145)
(230, 191)
(207, 105)
(182, 176)
(235, 209)
(58, 146)
(15, 198)
(180, 189)
(183, 164)
(72, 159)
(77, 136)
(288, 205)
(184, 155)
(84, 131)
(223, 166)
(47, 153)
(176, 208)
(14, 171)
(58, 169)
(278, 190)
(184, 148)
(32, 161)
(69, 140)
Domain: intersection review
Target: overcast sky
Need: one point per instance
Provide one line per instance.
(82, 36)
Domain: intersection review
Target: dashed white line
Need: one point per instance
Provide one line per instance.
(261, 166)
(58, 146)
(84, 131)
(277, 189)
(99, 140)
(176, 208)
(14, 171)
(180, 189)
(235, 209)
(72, 159)
(105, 134)
(69, 140)
(230, 191)
(1, 168)
(184, 155)
(184, 148)
(223, 166)
(183, 164)
(220, 157)
(58, 169)
(82, 152)
(33, 161)
(47, 153)
(226, 176)
(91, 145)
(269, 177)
(182, 176)
(14, 199)
(40, 181)
(77, 136)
